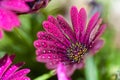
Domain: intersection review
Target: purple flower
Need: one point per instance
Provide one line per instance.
(8, 16)
(37, 4)
(9, 9)
(69, 45)
(12, 72)
(62, 72)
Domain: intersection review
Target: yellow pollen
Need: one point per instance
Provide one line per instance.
(76, 52)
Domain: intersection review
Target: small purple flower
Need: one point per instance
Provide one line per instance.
(12, 72)
(8, 16)
(60, 43)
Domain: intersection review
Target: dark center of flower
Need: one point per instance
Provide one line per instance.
(75, 52)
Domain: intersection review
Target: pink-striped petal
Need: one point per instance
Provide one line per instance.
(11, 71)
(41, 43)
(15, 5)
(24, 78)
(28, 0)
(5, 62)
(90, 27)
(74, 19)
(99, 33)
(46, 55)
(80, 65)
(95, 30)
(48, 44)
(62, 72)
(42, 35)
(82, 18)
(96, 46)
(52, 20)
(55, 31)
(8, 20)
(19, 74)
(65, 28)
(48, 37)
(53, 63)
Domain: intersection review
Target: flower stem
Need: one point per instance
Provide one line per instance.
(46, 76)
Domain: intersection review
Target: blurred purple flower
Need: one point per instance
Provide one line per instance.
(61, 43)
(96, 7)
(11, 72)
(8, 16)
(37, 4)
(9, 9)
(62, 72)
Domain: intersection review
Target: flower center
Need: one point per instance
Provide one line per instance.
(75, 52)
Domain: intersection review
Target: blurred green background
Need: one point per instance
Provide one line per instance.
(103, 66)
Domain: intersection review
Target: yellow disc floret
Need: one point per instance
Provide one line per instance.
(76, 51)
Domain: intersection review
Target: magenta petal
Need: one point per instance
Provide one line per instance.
(55, 59)
(49, 44)
(46, 55)
(1, 34)
(100, 32)
(52, 29)
(74, 19)
(62, 72)
(51, 65)
(24, 78)
(45, 36)
(80, 65)
(50, 50)
(90, 27)
(65, 28)
(28, 0)
(8, 20)
(8, 71)
(96, 46)
(95, 30)
(41, 43)
(11, 71)
(47, 58)
(19, 74)
(70, 69)
(42, 35)
(52, 20)
(82, 18)
(15, 5)
(55, 31)
(5, 62)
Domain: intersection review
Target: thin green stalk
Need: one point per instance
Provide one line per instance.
(91, 72)
(46, 76)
